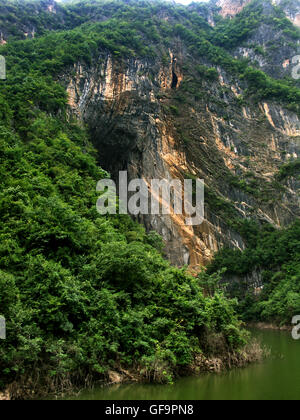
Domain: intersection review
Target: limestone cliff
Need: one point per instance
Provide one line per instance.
(129, 109)
(291, 9)
(230, 8)
(175, 113)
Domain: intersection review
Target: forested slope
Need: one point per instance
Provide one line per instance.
(84, 295)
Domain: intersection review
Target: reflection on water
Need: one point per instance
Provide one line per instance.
(277, 378)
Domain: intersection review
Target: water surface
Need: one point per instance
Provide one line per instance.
(277, 378)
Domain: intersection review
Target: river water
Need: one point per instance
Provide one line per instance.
(277, 378)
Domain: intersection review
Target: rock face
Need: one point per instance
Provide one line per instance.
(162, 118)
(291, 9)
(133, 133)
(28, 19)
(231, 7)
(138, 125)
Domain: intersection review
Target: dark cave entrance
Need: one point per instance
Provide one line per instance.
(174, 80)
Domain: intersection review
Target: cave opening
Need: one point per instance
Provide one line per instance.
(174, 80)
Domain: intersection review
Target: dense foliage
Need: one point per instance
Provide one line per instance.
(230, 33)
(82, 293)
(147, 29)
(275, 254)
(21, 17)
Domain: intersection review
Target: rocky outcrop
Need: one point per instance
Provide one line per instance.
(159, 118)
(291, 9)
(131, 131)
(138, 124)
(24, 20)
(5, 396)
(230, 8)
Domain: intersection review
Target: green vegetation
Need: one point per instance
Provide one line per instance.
(291, 169)
(81, 293)
(21, 17)
(275, 254)
(221, 207)
(230, 33)
(208, 73)
(259, 85)
(137, 29)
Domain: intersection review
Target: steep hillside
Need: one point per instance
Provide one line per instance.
(221, 120)
(162, 91)
(168, 91)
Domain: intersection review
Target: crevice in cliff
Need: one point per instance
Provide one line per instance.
(174, 80)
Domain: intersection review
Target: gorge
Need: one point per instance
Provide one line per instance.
(161, 91)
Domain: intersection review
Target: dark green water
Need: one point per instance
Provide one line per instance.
(277, 378)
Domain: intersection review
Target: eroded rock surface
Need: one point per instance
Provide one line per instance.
(138, 125)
